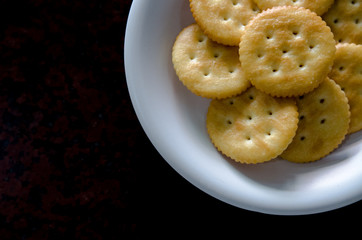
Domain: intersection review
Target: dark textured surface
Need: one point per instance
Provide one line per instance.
(74, 161)
(65, 121)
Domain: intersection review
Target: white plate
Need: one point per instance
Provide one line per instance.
(174, 120)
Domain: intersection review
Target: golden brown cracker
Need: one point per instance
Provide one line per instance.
(345, 20)
(223, 20)
(347, 72)
(286, 51)
(323, 123)
(317, 6)
(253, 127)
(205, 67)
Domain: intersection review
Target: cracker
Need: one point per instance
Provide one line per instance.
(223, 20)
(323, 123)
(317, 6)
(253, 127)
(286, 51)
(205, 67)
(345, 20)
(347, 72)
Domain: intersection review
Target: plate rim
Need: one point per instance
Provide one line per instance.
(136, 8)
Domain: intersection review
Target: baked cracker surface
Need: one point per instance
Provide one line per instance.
(317, 6)
(205, 67)
(345, 20)
(223, 20)
(323, 123)
(286, 51)
(347, 72)
(253, 127)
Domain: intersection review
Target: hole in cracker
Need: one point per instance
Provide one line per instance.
(275, 70)
(340, 40)
(259, 55)
(251, 97)
(311, 46)
(231, 71)
(301, 65)
(201, 39)
(254, 7)
(323, 121)
(248, 138)
(226, 18)
(301, 97)
(341, 68)
(235, 2)
(268, 37)
(206, 74)
(353, 2)
(336, 20)
(270, 113)
(302, 138)
(356, 21)
(285, 51)
(342, 89)
(216, 55)
(229, 122)
(250, 118)
(295, 33)
(321, 100)
(268, 133)
(231, 102)
(294, 1)
(301, 117)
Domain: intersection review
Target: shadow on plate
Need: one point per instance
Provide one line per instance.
(284, 175)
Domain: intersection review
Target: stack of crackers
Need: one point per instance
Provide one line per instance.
(284, 76)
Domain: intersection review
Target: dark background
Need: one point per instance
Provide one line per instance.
(74, 160)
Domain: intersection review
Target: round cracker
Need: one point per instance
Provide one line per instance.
(253, 127)
(223, 20)
(323, 123)
(207, 68)
(286, 51)
(317, 6)
(347, 72)
(345, 20)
